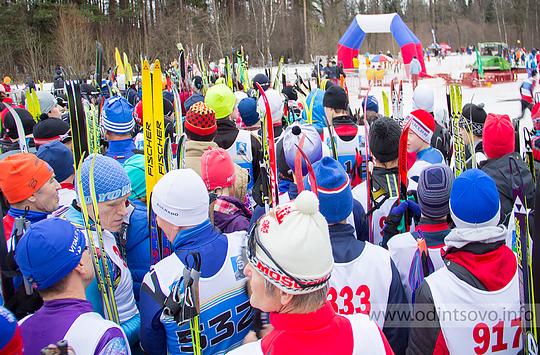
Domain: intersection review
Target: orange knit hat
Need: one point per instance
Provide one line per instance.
(21, 175)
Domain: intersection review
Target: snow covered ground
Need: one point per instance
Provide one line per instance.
(493, 97)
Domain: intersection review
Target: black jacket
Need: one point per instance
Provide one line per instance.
(499, 170)
(441, 140)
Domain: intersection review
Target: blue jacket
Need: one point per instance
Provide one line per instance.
(138, 245)
(346, 248)
(317, 113)
(121, 150)
(212, 247)
(415, 66)
(431, 155)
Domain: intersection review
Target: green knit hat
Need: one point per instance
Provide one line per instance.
(221, 99)
(134, 167)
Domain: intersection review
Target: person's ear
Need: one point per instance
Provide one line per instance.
(285, 298)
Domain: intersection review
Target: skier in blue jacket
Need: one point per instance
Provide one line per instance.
(112, 188)
(180, 201)
(118, 123)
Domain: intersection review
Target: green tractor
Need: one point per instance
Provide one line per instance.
(493, 56)
(494, 67)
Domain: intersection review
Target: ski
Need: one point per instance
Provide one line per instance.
(92, 127)
(331, 137)
(528, 154)
(522, 246)
(32, 104)
(23, 145)
(394, 98)
(385, 104)
(368, 179)
(99, 65)
(399, 107)
(403, 178)
(180, 151)
(276, 81)
(153, 150)
(455, 113)
(77, 122)
(99, 256)
(182, 67)
(269, 153)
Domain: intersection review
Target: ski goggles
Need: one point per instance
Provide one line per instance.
(475, 127)
(277, 275)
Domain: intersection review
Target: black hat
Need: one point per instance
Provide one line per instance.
(50, 130)
(384, 139)
(476, 117)
(197, 82)
(335, 97)
(290, 92)
(263, 80)
(11, 128)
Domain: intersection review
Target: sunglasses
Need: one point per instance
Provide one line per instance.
(249, 254)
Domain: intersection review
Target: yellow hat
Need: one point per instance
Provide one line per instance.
(221, 99)
(7, 80)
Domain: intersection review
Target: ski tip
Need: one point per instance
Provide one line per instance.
(157, 65)
(145, 65)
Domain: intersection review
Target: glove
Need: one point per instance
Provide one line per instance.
(409, 209)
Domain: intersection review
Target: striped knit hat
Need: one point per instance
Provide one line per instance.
(423, 124)
(201, 119)
(433, 190)
(117, 115)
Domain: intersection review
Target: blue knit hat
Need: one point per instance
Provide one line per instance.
(334, 190)
(49, 250)
(111, 181)
(372, 104)
(117, 115)
(247, 108)
(59, 157)
(474, 200)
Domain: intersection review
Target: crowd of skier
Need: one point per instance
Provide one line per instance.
(283, 223)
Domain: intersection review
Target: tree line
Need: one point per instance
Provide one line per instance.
(38, 35)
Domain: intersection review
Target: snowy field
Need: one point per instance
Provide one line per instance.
(493, 97)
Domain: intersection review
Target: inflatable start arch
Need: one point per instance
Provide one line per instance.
(350, 43)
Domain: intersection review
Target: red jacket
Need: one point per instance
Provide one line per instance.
(321, 332)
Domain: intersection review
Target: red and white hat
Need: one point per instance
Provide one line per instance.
(423, 124)
(290, 246)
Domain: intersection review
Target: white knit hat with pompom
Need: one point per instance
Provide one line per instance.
(296, 236)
